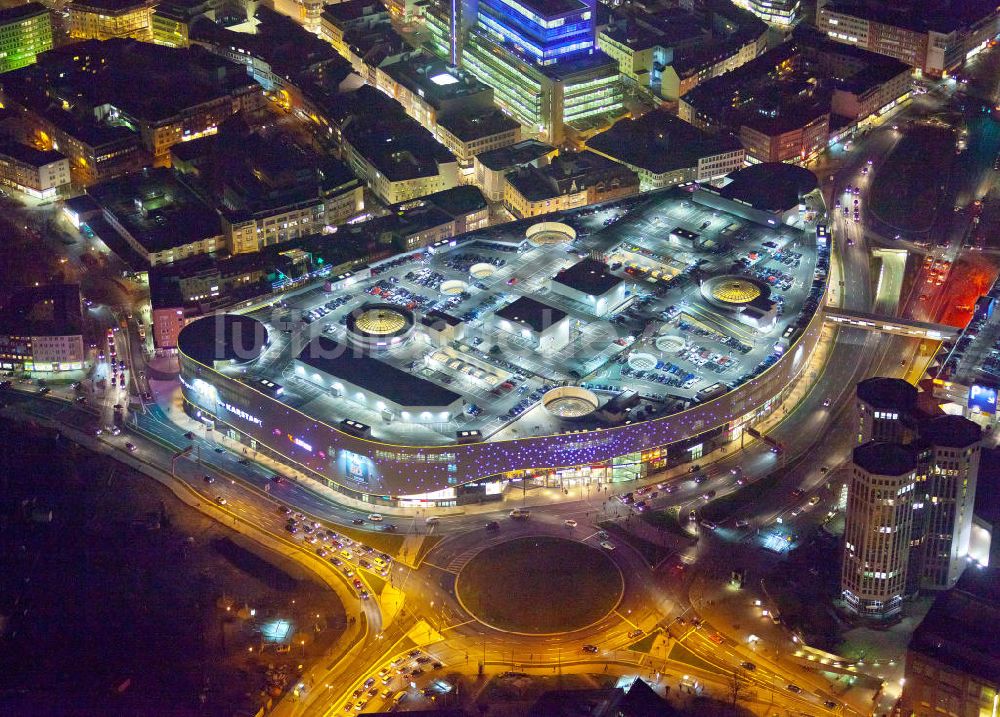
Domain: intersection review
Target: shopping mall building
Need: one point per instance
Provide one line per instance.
(596, 353)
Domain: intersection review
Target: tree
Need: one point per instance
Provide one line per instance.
(738, 687)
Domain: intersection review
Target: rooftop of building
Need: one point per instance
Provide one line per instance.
(468, 128)
(660, 142)
(732, 28)
(950, 431)
(888, 394)
(401, 387)
(770, 186)
(109, 6)
(506, 248)
(581, 68)
(458, 201)
(29, 155)
(534, 314)
(433, 79)
(663, 27)
(159, 211)
(866, 69)
(251, 171)
(223, 337)
(523, 152)
(184, 10)
(436, 317)
(395, 144)
(47, 310)
(92, 73)
(554, 8)
(277, 39)
(350, 10)
(959, 630)
(10, 15)
(791, 84)
(568, 172)
(588, 276)
(886, 459)
(416, 218)
(941, 16)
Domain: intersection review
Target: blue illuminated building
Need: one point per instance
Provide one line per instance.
(539, 56)
(545, 30)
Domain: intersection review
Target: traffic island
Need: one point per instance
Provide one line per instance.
(539, 586)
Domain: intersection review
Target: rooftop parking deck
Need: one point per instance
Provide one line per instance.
(661, 339)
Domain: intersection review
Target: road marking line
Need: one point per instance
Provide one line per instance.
(437, 566)
(634, 626)
(457, 624)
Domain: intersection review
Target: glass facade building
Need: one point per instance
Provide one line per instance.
(545, 30)
(545, 78)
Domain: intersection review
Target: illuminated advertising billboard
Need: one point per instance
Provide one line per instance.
(353, 466)
(983, 399)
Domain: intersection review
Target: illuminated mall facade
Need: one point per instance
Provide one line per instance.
(390, 474)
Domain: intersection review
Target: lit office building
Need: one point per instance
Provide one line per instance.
(108, 19)
(25, 31)
(783, 13)
(540, 58)
(885, 408)
(948, 494)
(878, 523)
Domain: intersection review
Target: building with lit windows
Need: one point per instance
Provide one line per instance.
(91, 85)
(25, 31)
(468, 136)
(953, 655)
(37, 173)
(173, 19)
(41, 330)
(158, 216)
(782, 104)
(934, 38)
(467, 319)
(953, 444)
(783, 13)
(569, 181)
(540, 58)
(946, 453)
(397, 158)
(268, 188)
(111, 19)
(878, 523)
(665, 151)
(885, 409)
(491, 168)
(668, 50)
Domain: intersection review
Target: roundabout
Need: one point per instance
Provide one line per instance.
(539, 585)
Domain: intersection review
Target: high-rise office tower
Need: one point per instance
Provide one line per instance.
(945, 451)
(948, 493)
(877, 529)
(885, 409)
(539, 56)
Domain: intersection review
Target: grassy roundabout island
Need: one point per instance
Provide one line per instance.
(539, 585)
